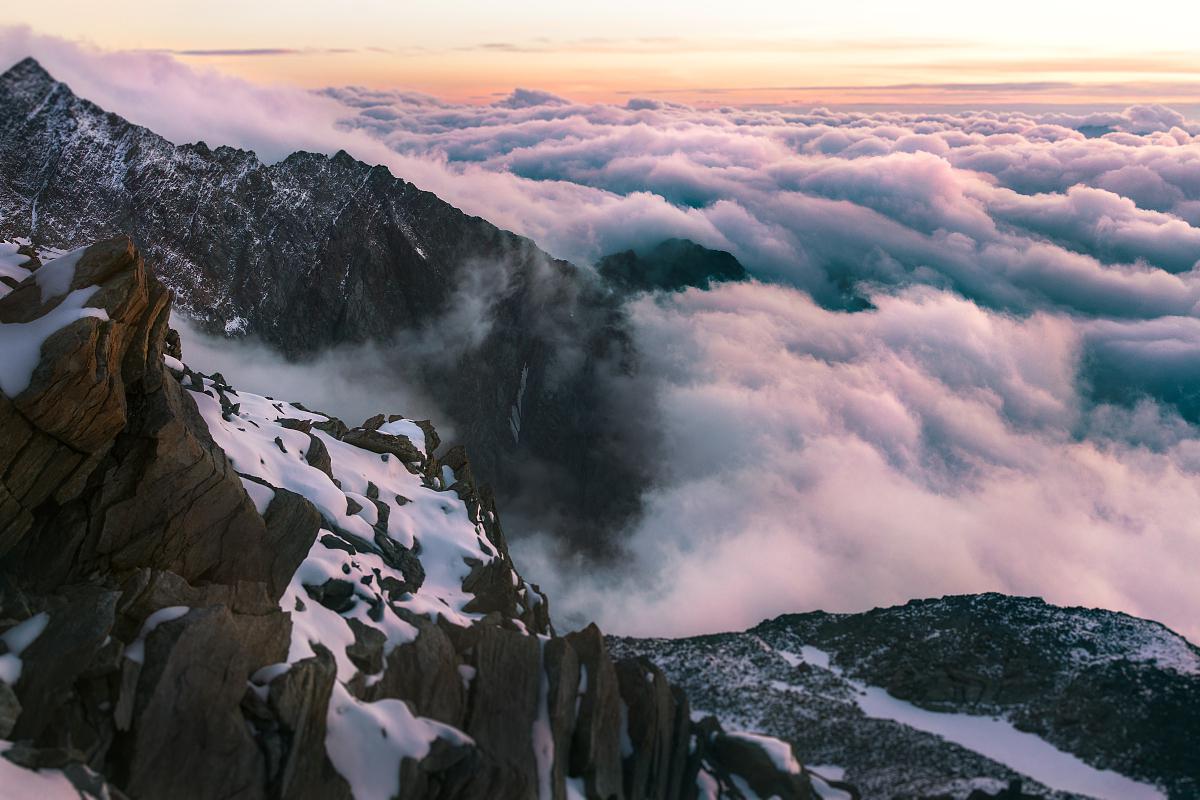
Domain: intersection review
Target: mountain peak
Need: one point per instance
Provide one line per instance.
(24, 85)
(27, 70)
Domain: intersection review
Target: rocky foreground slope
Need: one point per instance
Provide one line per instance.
(940, 698)
(212, 594)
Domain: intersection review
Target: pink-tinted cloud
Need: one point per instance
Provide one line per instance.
(815, 459)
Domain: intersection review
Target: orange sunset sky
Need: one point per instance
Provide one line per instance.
(736, 53)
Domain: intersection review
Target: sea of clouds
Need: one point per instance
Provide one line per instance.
(969, 359)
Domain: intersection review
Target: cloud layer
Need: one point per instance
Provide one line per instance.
(1014, 411)
(818, 459)
(1012, 415)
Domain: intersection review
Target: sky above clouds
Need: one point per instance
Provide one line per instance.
(761, 51)
(969, 360)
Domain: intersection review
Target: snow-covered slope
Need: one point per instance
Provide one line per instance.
(210, 593)
(396, 543)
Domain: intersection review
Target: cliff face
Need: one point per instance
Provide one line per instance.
(317, 251)
(207, 593)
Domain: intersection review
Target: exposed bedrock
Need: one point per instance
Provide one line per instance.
(159, 596)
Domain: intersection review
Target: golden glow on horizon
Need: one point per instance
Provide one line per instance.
(759, 51)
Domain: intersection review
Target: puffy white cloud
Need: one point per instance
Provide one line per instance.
(816, 459)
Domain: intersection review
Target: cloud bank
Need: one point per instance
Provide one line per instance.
(1014, 410)
(1014, 413)
(818, 459)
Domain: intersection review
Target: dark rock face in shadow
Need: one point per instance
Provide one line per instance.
(670, 265)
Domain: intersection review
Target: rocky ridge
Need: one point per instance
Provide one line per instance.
(1121, 695)
(209, 593)
(318, 251)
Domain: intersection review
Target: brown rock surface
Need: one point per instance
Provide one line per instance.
(117, 504)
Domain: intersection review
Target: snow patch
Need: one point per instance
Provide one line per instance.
(54, 278)
(313, 623)
(367, 741)
(818, 658)
(744, 789)
(16, 639)
(998, 740)
(136, 651)
(1170, 651)
(791, 658)
(626, 742)
(467, 673)
(405, 427)
(779, 751)
(12, 266)
(581, 692)
(707, 787)
(260, 495)
(21, 342)
(826, 792)
(576, 789)
(26, 784)
(236, 326)
(830, 772)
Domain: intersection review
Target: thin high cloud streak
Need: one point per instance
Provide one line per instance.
(1011, 416)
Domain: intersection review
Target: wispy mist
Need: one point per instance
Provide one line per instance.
(353, 382)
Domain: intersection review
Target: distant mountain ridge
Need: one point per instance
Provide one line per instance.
(315, 251)
(224, 225)
(1118, 692)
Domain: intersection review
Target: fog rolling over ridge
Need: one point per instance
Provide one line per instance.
(968, 357)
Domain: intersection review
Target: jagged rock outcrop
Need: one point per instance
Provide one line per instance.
(206, 593)
(595, 742)
(107, 466)
(352, 254)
